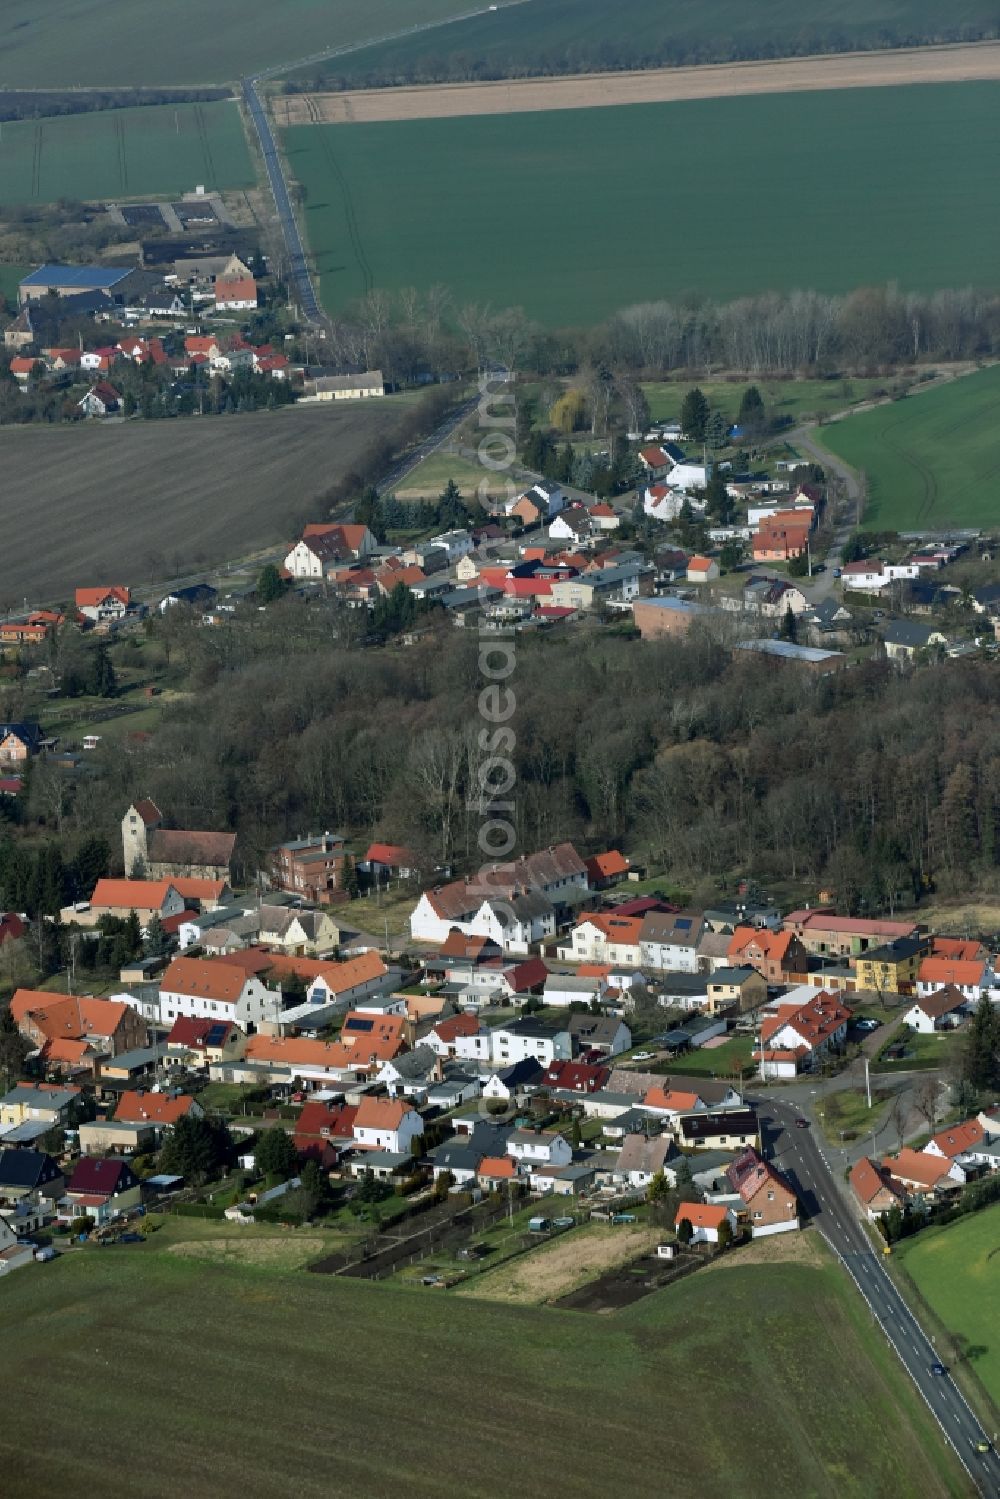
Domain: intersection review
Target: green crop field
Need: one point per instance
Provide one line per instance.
(570, 35)
(931, 460)
(126, 43)
(574, 213)
(124, 153)
(177, 1374)
(799, 399)
(955, 1269)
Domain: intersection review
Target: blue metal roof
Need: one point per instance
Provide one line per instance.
(82, 277)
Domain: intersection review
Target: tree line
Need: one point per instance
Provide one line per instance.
(874, 329)
(713, 765)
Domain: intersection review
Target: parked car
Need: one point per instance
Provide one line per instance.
(643, 1056)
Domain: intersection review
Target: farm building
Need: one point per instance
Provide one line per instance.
(350, 387)
(71, 280)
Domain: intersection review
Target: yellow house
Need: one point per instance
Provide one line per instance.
(743, 987)
(892, 968)
(45, 1103)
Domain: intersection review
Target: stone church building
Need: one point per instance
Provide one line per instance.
(154, 852)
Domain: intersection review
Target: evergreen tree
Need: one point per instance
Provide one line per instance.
(133, 936)
(694, 415)
(981, 1062)
(270, 584)
(156, 938)
(196, 1149)
(718, 501)
(349, 878)
(368, 512)
(715, 430)
(789, 625)
(90, 864)
(275, 1153)
(753, 415)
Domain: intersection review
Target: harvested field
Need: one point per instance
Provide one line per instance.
(558, 1268)
(149, 500)
(656, 86)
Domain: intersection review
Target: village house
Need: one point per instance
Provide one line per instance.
(735, 988)
(28, 1175)
(159, 1110)
(215, 989)
(87, 1026)
(101, 399)
(876, 1191)
(147, 898)
(103, 604)
(101, 1189)
(533, 1148)
(386, 1124)
(794, 1037)
(19, 742)
(924, 1175)
(389, 861)
(969, 976)
(732, 1129)
(297, 932)
(702, 570)
(311, 867)
(668, 940)
(195, 1042)
(771, 1204)
(706, 1221)
(50, 1104)
(775, 955)
(892, 968)
(235, 296)
(942, 1010)
(472, 906)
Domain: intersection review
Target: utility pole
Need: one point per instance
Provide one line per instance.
(868, 1083)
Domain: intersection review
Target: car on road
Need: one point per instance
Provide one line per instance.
(837, 572)
(867, 1024)
(982, 1446)
(939, 1368)
(643, 1056)
(802, 1124)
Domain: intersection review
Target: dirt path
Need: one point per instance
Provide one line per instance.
(959, 64)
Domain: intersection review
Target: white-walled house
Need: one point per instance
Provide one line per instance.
(535, 1147)
(209, 989)
(794, 1037)
(602, 937)
(870, 575)
(465, 904)
(454, 544)
(386, 1124)
(518, 1041)
(668, 941)
(942, 1010)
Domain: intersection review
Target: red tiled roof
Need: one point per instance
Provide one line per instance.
(701, 1215)
(141, 1107)
(606, 866)
(456, 1025)
(959, 1138)
(951, 971)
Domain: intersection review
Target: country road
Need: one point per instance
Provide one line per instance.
(801, 1156)
(299, 269)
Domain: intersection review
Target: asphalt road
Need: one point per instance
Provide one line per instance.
(437, 439)
(800, 1155)
(298, 266)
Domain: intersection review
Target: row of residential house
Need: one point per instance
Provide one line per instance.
(918, 1179)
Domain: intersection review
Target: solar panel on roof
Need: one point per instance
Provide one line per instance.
(682, 923)
(357, 1024)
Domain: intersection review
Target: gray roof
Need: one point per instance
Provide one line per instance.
(645, 1153)
(789, 651)
(49, 1098)
(911, 633)
(140, 1056)
(416, 1064)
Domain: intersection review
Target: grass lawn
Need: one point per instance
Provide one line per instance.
(502, 209)
(799, 399)
(718, 1061)
(432, 474)
(225, 1370)
(142, 42)
(845, 1115)
(931, 460)
(919, 1051)
(955, 1269)
(123, 153)
(11, 277)
(377, 913)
